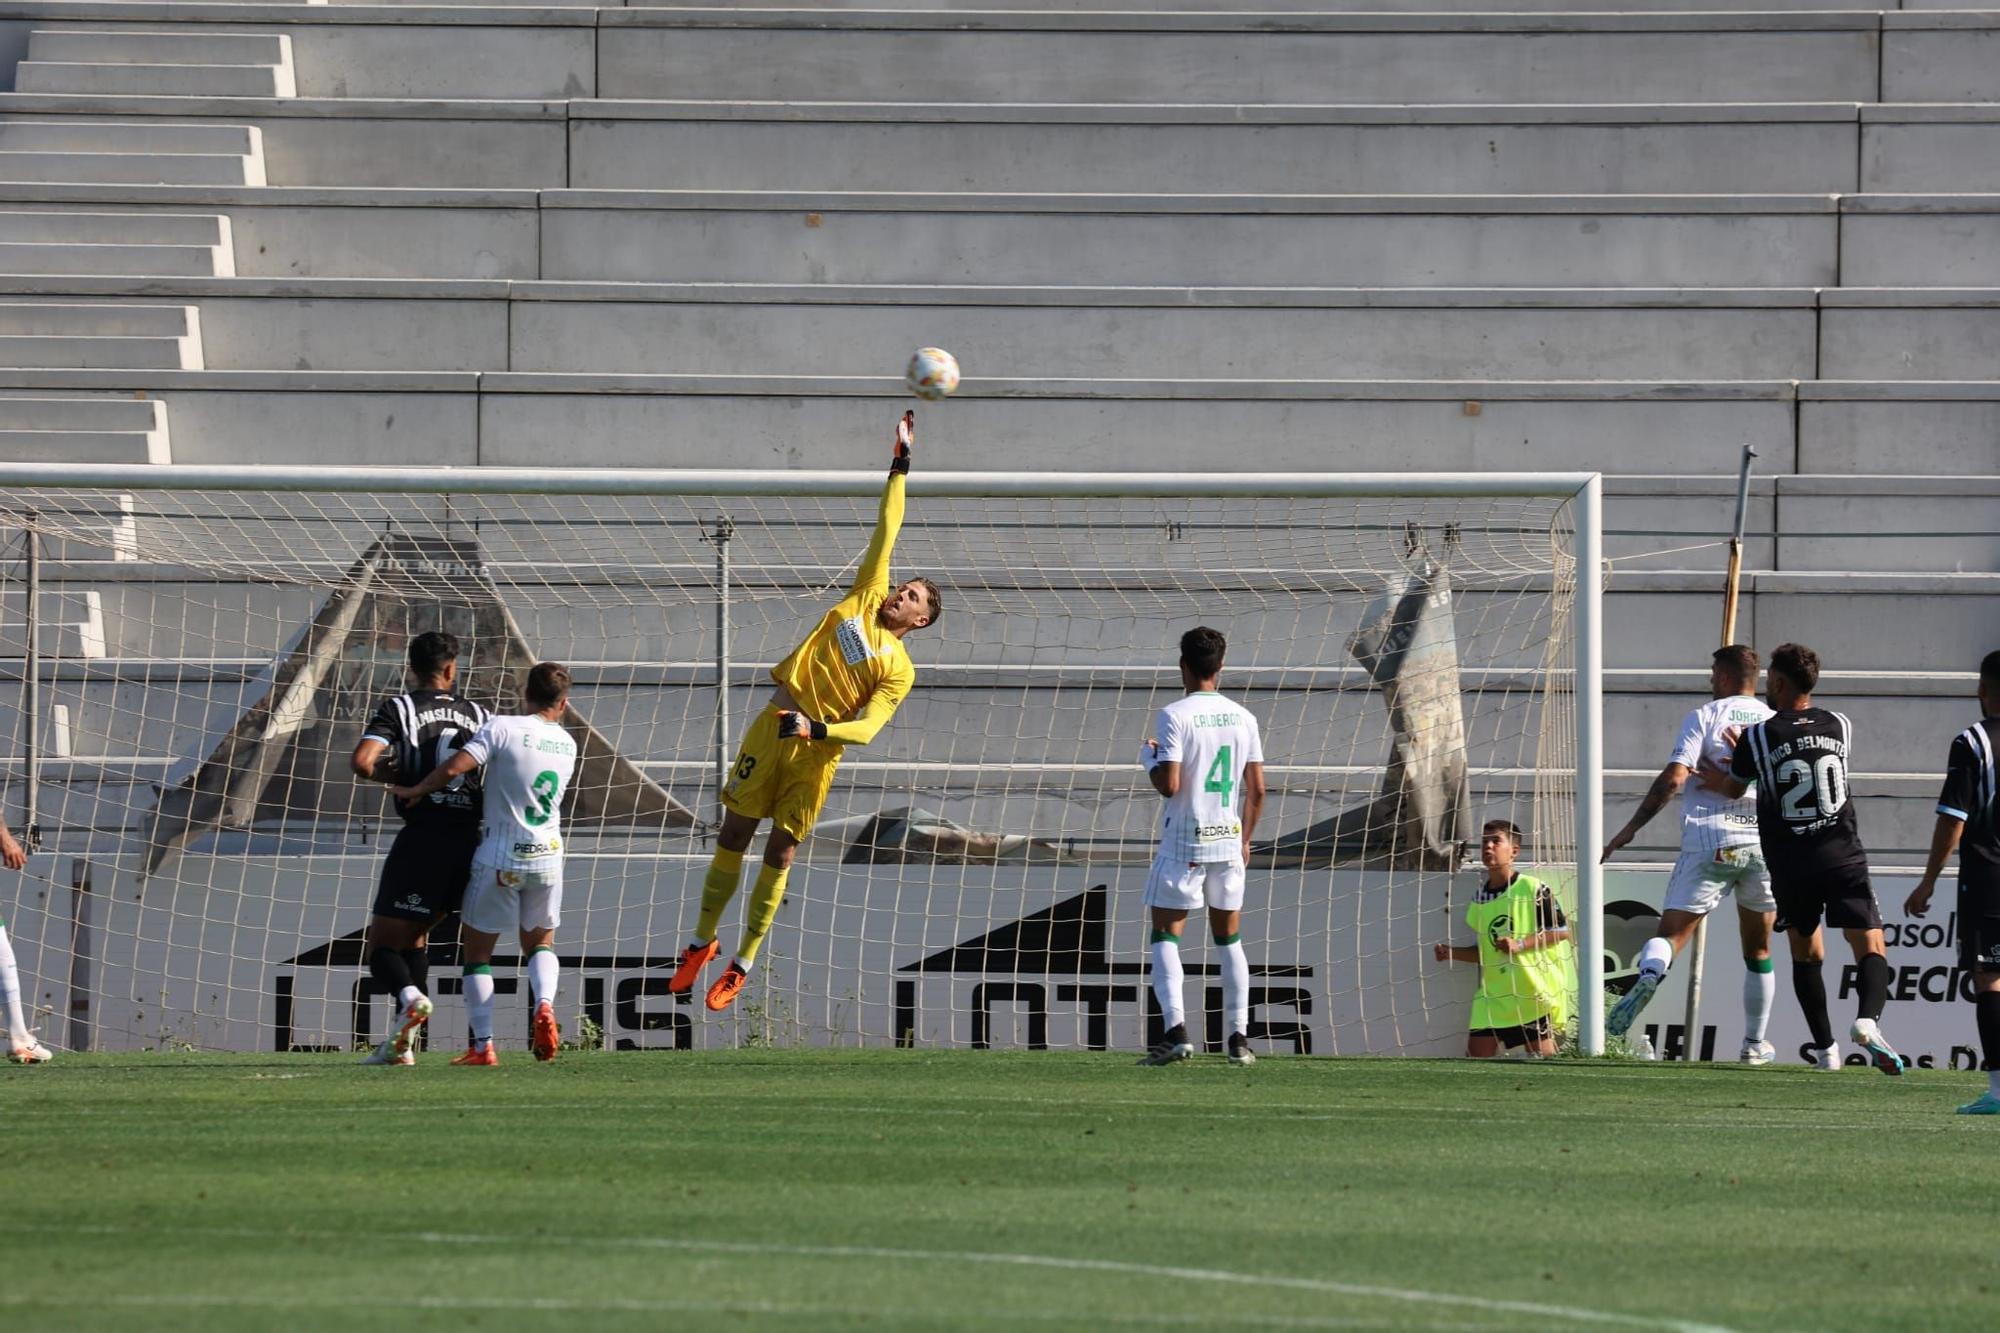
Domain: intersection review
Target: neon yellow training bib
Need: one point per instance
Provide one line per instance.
(1518, 989)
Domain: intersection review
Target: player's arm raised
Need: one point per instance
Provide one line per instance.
(1667, 784)
(874, 571)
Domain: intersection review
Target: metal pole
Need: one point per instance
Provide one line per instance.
(1732, 581)
(31, 694)
(724, 530)
(79, 955)
(1590, 764)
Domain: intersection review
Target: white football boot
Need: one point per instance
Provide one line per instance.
(1867, 1034)
(1757, 1053)
(28, 1051)
(1826, 1061)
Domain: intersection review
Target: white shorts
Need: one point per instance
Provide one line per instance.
(1700, 880)
(1182, 886)
(497, 901)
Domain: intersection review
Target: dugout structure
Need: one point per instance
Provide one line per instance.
(197, 648)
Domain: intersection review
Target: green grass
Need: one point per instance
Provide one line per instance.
(897, 1189)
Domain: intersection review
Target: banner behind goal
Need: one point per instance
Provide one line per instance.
(196, 651)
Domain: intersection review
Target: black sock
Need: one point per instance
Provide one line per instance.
(1809, 984)
(1874, 985)
(1986, 1005)
(389, 969)
(419, 963)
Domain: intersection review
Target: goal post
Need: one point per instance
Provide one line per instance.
(211, 639)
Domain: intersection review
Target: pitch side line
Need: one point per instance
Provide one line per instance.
(1405, 1295)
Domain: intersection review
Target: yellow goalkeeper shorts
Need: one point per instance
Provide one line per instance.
(782, 780)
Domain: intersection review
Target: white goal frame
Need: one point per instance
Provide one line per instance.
(1583, 489)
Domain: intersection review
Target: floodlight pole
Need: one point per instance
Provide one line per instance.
(1590, 765)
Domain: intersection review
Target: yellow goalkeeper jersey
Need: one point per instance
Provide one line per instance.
(850, 673)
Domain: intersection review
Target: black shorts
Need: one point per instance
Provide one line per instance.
(1538, 1031)
(1846, 899)
(425, 873)
(1978, 929)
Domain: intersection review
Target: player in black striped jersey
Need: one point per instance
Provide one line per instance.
(1968, 819)
(424, 875)
(1798, 759)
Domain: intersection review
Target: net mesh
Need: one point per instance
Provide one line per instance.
(207, 660)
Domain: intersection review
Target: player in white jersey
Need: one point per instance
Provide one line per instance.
(517, 872)
(1720, 854)
(1207, 759)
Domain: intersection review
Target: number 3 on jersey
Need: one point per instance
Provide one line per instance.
(1221, 776)
(545, 792)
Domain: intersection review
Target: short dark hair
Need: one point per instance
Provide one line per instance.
(1506, 826)
(1739, 660)
(432, 651)
(1202, 651)
(1798, 664)
(1989, 670)
(547, 685)
(937, 599)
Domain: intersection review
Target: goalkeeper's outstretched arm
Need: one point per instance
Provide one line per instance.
(874, 571)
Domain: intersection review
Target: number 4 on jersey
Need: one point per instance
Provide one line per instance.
(1221, 776)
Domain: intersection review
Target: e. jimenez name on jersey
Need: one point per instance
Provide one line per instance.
(527, 763)
(1211, 738)
(1711, 821)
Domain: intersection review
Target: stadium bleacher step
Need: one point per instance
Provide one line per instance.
(190, 63)
(102, 336)
(138, 244)
(115, 153)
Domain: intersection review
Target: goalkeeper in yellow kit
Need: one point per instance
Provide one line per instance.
(838, 688)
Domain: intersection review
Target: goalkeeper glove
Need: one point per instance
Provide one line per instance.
(906, 435)
(798, 725)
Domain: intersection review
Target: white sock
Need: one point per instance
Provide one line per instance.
(742, 966)
(479, 1005)
(542, 972)
(10, 990)
(1235, 990)
(1760, 991)
(1657, 956)
(1167, 978)
(408, 996)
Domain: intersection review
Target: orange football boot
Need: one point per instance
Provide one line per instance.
(693, 959)
(479, 1053)
(727, 987)
(546, 1036)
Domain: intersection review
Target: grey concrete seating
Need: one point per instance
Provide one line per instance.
(1020, 333)
(930, 56)
(329, 141)
(1910, 333)
(1921, 240)
(84, 430)
(130, 154)
(1602, 240)
(1150, 57)
(157, 244)
(1912, 148)
(593, 143)
(349, 233)
(100, 336)
(1244, 149)
(467, 418)
(190, 62)
(1322, 6)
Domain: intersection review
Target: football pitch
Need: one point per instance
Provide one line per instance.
(909, 1189)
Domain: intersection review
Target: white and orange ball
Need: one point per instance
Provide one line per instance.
(933, 374)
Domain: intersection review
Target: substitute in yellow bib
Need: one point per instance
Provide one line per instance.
(839, 687)
(1527, 964)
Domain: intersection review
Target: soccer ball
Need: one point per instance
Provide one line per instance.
(933, 374)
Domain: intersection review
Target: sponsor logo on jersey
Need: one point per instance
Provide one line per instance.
(853, 638)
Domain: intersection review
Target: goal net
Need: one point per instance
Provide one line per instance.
(195, 666)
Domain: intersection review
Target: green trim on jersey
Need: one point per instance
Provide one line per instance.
(1515, 990)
